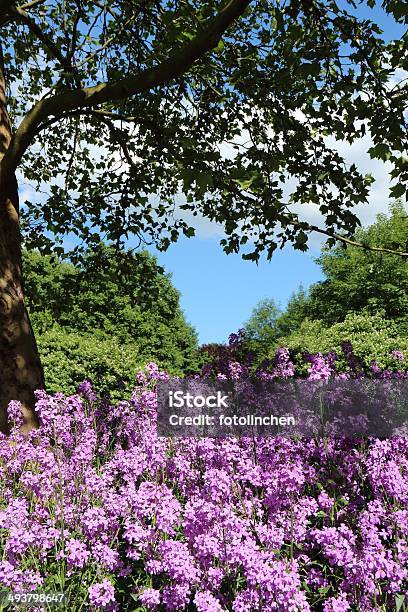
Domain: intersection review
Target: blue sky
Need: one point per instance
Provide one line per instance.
(218, 291)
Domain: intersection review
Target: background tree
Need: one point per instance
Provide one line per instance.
(115, 108)
(261, 329)
(268, 322)
(105, 317)
(359, 279)
(364, 299)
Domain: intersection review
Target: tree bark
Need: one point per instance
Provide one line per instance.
(20, 366)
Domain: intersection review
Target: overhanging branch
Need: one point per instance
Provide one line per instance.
(286, 220)
(102, 115)
(119, 137)
(8, 6)
(54, 50)
(30, 5)
(348, 241)
(178, 63)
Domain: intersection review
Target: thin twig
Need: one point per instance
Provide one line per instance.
(30, 5)
(313, 228)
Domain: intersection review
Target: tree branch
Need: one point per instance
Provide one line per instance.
(348, 241)
(304, 225)
(103, 116)
(55, 51)
(30, 5)
(178, 62)
(5, 8)
(118, 135)
(104, 46)
(6, 14)
(106, 8)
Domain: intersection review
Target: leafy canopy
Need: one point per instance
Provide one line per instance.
(128, 113)
(268, 322)
(124, 300)
(365, 288)
(261, 328)
(358, 279)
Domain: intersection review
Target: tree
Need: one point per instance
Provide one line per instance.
(115, 107)
(268, 323)
(261, 328)
(296, 310)
(359, 279)
(125, 297)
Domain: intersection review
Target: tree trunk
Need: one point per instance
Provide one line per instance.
(20, 366)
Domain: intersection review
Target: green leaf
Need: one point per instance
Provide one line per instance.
(397, 190)
(309, 69)
(399, 602)
(189, 231)
(380, 151)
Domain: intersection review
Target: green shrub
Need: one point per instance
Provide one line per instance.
(121, 303)
(373, 338)
(71, 357)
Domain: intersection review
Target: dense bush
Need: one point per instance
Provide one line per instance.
(96, 505)
(360, 288)
(117, 310)
(71, 357)
(373, 339)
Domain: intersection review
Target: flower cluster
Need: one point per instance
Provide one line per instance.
(95, 504)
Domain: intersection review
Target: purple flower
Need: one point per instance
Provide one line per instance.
(235, 370)
(321, 368)
(15, 414)
(283, 366)
(336, 604)
(85, 389)
(96, 487)
(150, 598)
(77, 554)
(206, 602)
(176, 597)
(102, 593)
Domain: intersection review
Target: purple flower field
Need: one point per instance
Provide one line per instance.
(95, 504)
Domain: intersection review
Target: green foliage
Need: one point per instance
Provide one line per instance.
(261, 328)
(294, 313)
(357, 279)
(114, 159)
(373, 338)
(115, 303)
(364, 299)
(268, 323)
(69, 358)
